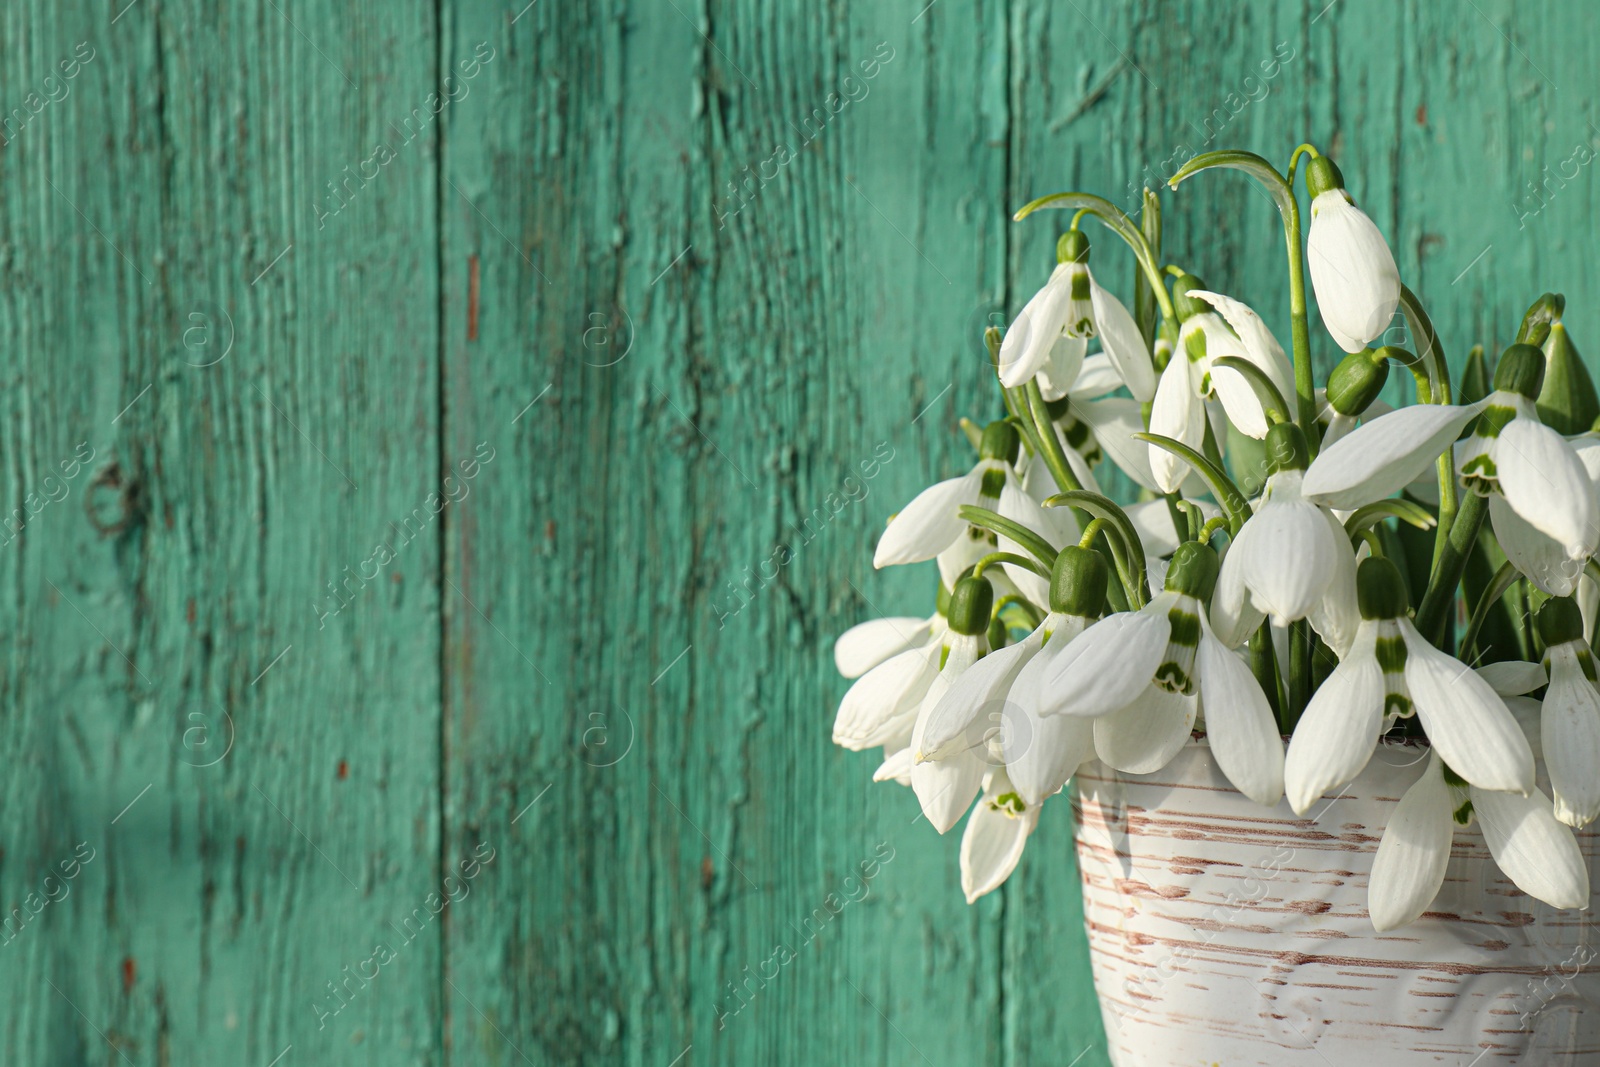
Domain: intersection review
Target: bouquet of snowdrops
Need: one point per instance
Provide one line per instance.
(1262, 587)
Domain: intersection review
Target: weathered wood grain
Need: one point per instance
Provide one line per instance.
(591, 662)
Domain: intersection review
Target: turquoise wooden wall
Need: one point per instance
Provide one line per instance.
(397, 392)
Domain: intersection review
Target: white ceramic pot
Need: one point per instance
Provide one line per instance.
(1222, 932)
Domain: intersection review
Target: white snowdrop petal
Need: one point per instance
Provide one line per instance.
(1178, 413)
(1042, 753)
(1097, 378)
(1027, 341)
(929, 524)
(1540, 558)
(867, 644)
(1239, 400)
(896, 767)
(1114, 422)
(1233, 617)
(945, 788)
(1466, 721)
(1353, 272)
(1286, 565)
(969, 711)
(1534, 850)
(1339, 731)
(1108, 665)
(1337, 615)
(884, 699)
(1260, 347)
(1061, 368)
(991, 846)
(1144, 736)
(1513, 678)
(1243, 735)
(1571, 738)
(1123, 343)
(1409, 867)
(1546, 483)
(1384, 455)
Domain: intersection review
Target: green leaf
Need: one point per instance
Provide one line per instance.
(1404, 510)
(1233, 502)
(1003, 526)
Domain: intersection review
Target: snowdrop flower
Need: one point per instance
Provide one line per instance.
(1534, 850)
(1541, 500)
(932, 522)
(1072, 305)
(1390, 670)
(1292, 559)
(996, 703)
(1179, 409)
(997, 830)
(1142, 676)
(1352, 270)
(894, 662)
(1570, 718)
(945, 788)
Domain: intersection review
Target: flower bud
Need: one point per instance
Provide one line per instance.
(1358, 379)
(1380, 591)
(1193, 571)
(1322, 175)
(1184, 304)
(1078, 582)
(1560, 621)
(1286, 448)
(1567, 403)
(1073, 247)
(1520, 370)
(971, 603)
(1000, 441)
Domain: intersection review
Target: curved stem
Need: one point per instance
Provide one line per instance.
(1022, 603)
(1300, 334)
(1438, 392)
(1126, 548)
(1120, 224)
(998, 524)
(1294, 161)
(1090, 532)
(1007, 557)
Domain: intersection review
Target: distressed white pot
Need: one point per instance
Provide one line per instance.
(1222, 932)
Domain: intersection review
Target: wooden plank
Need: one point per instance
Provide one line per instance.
(168, 606)
(778, 336)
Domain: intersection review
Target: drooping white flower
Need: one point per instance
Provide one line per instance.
(1542, 501)
(1072, 305)
(1292, 559)
(1390, 670)
(1191, 375)
(997, 830)
(1537, 852)
(995, 703)
(932, 522)
(1570, 716)
(882, 705)
(1143, 676)
(1352, 270)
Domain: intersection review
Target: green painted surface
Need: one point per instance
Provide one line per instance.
(657, 381)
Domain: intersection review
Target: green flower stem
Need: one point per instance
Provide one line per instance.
(1492, 593)
(1126, 549)
(1012, 558)
(1022, 604)
(999, 524)
(1434, 388)
(1299, 671)
(1264, 665)
(1044, 434)
(1448, 567)
(1090, 532)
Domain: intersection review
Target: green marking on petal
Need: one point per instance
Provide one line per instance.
(1398, 704)
(1195, 345)
(993, 482)
(1452, 778)
(1463, 814)
(1493, 420)
(1185, 628)
(1173, 678)
(1009, 803)
(1391, 653)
